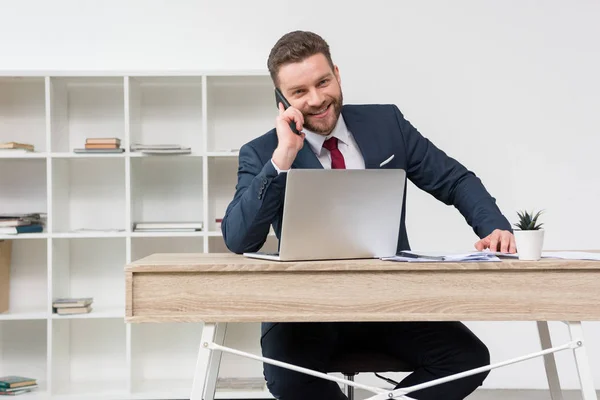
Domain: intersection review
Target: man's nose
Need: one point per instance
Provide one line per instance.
(315, 99)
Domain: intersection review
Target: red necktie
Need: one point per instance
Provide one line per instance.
(337, 159)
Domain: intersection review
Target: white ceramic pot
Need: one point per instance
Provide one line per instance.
(529, 244)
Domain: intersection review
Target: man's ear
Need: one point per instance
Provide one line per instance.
(336, 72)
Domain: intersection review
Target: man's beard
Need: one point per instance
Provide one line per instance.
(336, 105)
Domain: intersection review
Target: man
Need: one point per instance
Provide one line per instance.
(334, 135)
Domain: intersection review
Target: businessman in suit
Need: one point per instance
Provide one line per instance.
(334, 135)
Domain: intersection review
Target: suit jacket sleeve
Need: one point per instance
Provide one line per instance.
(446, 179)
(257, 200)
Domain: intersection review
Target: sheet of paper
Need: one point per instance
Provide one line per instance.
(571, 255)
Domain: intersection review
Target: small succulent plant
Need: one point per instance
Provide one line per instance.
(528, 221)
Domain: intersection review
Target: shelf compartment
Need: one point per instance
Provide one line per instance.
(85, 107)
(90, 268)
(23, 112)
(166, 110)
(166, 189)
(164, 357)
(239, 108)
(23, 352)
(89, 358)
(88, 194)
(164, 352)
(23, 186)
(246, 337)
(142, 247)
(28, 298)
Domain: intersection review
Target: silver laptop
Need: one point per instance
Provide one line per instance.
(331, 214)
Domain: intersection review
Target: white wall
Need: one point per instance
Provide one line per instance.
(510, 88)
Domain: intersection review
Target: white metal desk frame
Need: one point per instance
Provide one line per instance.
(213, 336)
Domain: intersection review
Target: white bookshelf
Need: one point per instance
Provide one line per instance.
(92, 201)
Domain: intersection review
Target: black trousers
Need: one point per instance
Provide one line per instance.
(434, 349)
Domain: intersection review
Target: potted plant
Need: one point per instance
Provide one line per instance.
(529, 236)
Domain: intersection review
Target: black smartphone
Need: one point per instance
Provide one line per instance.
(279, 98)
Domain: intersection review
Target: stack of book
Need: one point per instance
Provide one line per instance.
(160, 148)
(14, 385)
(101, 145)
(72, 305)
(14, 148)
(167, 226)
(13, 224)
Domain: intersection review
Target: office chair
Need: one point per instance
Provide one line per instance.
(351, 364)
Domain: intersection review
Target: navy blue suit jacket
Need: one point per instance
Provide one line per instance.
(380, 132)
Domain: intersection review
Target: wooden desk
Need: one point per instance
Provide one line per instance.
(221, 288)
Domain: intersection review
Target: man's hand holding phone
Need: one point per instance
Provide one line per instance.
(289, 143)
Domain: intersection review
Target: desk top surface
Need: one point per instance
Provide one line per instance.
(228, 262)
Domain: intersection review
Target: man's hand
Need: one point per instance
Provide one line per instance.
(289, 143)
(499, 240)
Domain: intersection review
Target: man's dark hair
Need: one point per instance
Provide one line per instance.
(294, 47)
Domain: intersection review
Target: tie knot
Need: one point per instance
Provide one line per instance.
(331, 143)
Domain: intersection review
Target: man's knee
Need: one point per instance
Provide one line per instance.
(304, 345)
(475, 355)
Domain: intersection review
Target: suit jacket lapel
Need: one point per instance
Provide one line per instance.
(306, 158)
(359, 128)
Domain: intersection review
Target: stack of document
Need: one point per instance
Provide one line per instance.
(483, 256)
(411, 256)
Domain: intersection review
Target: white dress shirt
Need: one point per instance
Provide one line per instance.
(346, 144)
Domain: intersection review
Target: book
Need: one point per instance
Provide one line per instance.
(140, 146)
(167, 226)
(72, 310)
(101, 146)
(13, 222)
(30, 216)
(13, 381)
(186, 150)
(67, 302)
(97, 151)
(241, 383)
(113, 141)
(17, 390)
(14, 392)
(160, 148)
(15, 230)
(16, 145)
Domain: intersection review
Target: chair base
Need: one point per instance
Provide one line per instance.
(350, 389)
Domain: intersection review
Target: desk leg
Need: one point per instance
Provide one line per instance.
(586, 380)
(549, 362)
(207, 365)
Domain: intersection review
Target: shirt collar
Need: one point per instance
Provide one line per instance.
(316, 140)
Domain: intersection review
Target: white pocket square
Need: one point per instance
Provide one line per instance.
(387, 161)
